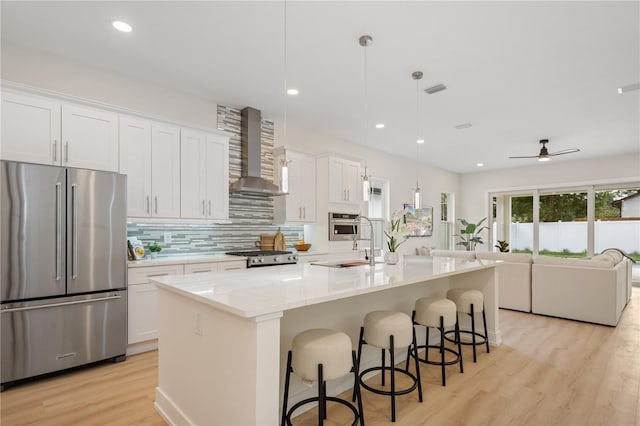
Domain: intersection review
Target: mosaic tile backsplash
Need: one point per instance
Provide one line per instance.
(251, 215)
(210, 239)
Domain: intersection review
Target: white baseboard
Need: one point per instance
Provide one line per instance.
(169, 411)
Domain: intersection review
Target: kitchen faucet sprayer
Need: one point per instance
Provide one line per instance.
(372, 258)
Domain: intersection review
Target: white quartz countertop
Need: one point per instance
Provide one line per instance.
(260, 291)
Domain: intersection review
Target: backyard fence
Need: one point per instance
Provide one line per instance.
(572, 236)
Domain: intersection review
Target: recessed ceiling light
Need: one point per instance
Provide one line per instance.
(629, 88)
(420, 141)
(480, 164)
(121, 26)
(380, 126)
(463, 126)
(292, 92)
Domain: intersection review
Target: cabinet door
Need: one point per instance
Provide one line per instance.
(135, 162)
(90, 138)
(232, 266)
(30, 129)
(217, 177)
(308, 188)
(165, 170)
(351, 181)
(337, 191)
(295, 199)
(193, 174)
(143, 301)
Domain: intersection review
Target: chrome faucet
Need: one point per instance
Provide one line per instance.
(372, 250)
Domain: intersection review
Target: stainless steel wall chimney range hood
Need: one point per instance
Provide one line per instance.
(250, 182)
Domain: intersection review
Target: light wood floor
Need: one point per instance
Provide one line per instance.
(547, 372)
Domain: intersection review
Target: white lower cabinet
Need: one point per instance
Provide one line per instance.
(143, 305)
(143, 299)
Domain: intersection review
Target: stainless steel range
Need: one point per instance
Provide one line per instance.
(266, 257)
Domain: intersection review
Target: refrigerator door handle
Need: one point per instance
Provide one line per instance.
(55, 305)
(58, 230)
(74, 231)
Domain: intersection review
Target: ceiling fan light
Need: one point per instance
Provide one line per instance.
(544, 159)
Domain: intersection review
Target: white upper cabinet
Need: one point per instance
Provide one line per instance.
(30, 129)
(165, 170)
(344, 181)
(150, 157)
(299, 206)
(135, 162)
(204, 176)
(217, 171)
(90, 138)
(46, 131)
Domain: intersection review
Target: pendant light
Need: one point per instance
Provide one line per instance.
(417, 201)
(365, 41)
(284, 168)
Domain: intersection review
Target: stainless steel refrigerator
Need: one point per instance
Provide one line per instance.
(63, 279)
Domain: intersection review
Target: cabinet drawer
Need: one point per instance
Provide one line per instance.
(196, 268)
(142, 275)
(230, 266)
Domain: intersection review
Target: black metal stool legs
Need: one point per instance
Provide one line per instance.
(473, 333)
(286, 390)
(486, 333)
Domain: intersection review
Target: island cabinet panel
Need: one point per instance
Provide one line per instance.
(299, 206)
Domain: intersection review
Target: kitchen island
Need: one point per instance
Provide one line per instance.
(224, 337)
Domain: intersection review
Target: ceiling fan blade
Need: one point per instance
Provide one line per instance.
(565, 151)
(526, 156)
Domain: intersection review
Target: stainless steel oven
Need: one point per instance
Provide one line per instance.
(343, 227)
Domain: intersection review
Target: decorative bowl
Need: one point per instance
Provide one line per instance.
(302, 247)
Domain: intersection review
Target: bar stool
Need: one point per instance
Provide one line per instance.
(469, 302)
(321, 355)
(439, 313)
(388, 330)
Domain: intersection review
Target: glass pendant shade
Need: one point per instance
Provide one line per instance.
(284, 177)
(417, 202)
(366, 189)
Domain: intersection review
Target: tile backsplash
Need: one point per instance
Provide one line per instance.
(208, 239)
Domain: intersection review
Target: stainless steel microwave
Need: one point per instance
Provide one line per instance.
(343, 227)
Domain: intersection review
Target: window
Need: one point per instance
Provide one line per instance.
(447, 221)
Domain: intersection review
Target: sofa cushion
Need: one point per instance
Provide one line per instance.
(614, 254)
(605, 258)
(507, 257)
(563, 261)
(454, 253)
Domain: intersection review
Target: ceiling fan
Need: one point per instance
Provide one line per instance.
(545, 155)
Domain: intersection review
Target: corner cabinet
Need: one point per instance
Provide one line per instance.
(299, 206)
(43, 130)
(204, 176)
(344, 181)
(150, 157)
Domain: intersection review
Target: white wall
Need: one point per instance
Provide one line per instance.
(473, 203)
(60, 75)
(57, 74)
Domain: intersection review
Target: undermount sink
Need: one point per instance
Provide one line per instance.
(343, 263)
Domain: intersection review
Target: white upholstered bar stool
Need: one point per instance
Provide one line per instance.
(469, 302)
(319, 355)
(437, 312)
(388, 330)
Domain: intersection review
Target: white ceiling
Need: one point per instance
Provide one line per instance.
(518, 71)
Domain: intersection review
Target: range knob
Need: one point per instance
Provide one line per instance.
(276, 259)
(260, 260)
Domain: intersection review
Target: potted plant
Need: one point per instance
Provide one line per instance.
(154, 249)
(470, 234)
(397, 233)
(502, 246)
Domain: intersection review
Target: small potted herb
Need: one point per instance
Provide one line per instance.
(154, 249)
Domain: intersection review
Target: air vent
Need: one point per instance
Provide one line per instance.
(435, 89)
(463, 126)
